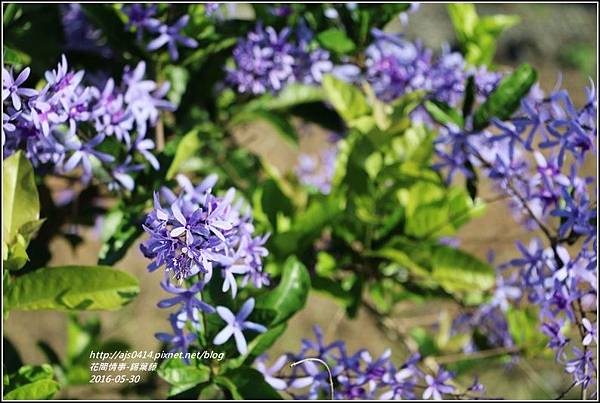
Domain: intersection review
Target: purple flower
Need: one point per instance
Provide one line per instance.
(140, 18)
(170, 36)
(80, 34)
(236, 324)
(144, 98)
(180, 340)
(269, 373)
(64, 125)
(436, 386)
(577, 215)
(558, 340)
(581, 367)
(11, 87)
(591, 332)
(318, 171)
(145, 146)
(188, 297)
(264, 61)
(81, 156)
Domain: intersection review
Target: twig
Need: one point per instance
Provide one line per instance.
(450, 358)
(564, 393)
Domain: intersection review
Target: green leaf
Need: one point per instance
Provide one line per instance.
(20, 200)
(444, 113)
(202, 53)
(15, 57)
(122, 226)
(333, 289)
(43, 389)
(459, 272)
(308, 225)
(211, 392)
(9, 13)
(72, 288)
(291, 95)
(336, 40)
(31, 382)
(291, 293)
(522, 325)
(17, 254)
(182, 376)
(346, 99)
(178, 78)
(189, 146)
(464, 20)
(257, 346)
(496, 24)
(506, 97)
(248, 384)
(274, 201)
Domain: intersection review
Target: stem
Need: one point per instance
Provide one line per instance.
(451, 358)
(160, 135)
(564, 392)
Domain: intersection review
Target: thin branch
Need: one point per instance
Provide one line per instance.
(494, 352)
(564, 392)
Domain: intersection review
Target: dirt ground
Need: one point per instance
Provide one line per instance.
(549, 28)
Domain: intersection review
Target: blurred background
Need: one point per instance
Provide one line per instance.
(555, 38)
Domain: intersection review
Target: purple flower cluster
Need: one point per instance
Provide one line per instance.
(267, 60)
(355, 376)
(396, 66)
(142, 19)
(80, 34)
(541, 185)
(317, 171)
(65, 125)
(565, 289)
(535, 158)
(195, 234)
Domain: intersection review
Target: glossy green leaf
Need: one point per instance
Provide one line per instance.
(31, 382)
(211, 392)
(290, 294)
(42, 389)
(9, 12)
(336, 40)
(505, 99)
(347, 100)
(496, 24)
(189, 146)
(20, 200)
(522, 325)
(248, 384)
(15, 57)
(444, 113)
(459, 272)
(178, 78)
(17, 254)
(182, 376)
(258, 345)
(291, 95)
(72, 288)
(122, 226)
(464, 19)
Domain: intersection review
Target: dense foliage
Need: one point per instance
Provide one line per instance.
(139, 104)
